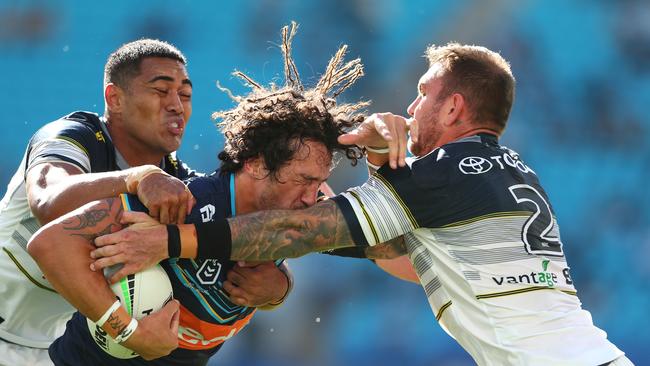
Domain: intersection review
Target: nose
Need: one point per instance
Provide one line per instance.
(411, 109)
(310, 195)
(174, 103)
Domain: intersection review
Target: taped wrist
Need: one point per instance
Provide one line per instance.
(138, 174)
(213, 240)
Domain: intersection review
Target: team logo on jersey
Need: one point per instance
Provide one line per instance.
(207, 212)
(209, 271)
(100, 136)
(474, 165)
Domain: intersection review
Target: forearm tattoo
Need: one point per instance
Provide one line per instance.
(96, 221)
(267, 235)
(388, 250)
(116, 324)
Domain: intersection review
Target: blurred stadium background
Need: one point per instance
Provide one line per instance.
(583, 71)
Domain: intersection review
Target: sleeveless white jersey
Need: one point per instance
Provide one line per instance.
(485, 244)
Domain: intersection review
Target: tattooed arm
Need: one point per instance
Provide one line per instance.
(266, 235)
(62, 251)
(62, 247)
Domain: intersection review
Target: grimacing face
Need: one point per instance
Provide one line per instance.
(298, 181)
(157, 104)
(425, 109)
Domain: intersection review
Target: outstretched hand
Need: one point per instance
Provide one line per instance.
(137, 247)
(381, 130)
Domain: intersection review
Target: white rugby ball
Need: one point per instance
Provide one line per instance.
(140, 294)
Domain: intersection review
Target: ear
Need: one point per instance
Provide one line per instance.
(454, 109)
(113, 95)
(255, 167)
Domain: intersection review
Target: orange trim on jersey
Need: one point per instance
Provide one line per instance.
(196, 334)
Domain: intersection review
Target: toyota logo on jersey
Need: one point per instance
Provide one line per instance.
(474, 165)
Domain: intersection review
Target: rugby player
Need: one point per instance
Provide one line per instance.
(278, 152)
(83, 157)
(477, 225)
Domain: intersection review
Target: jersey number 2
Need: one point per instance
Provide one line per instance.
(536, 232)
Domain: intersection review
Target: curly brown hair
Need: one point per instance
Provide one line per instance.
(275, 122)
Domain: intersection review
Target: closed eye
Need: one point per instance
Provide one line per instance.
(161, 91)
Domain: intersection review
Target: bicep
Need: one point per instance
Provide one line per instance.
(39, 182)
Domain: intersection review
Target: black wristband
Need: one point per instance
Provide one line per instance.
(213, 240)
(173, 241)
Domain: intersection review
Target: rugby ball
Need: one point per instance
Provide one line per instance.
(140, 294)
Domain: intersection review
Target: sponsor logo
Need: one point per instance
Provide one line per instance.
(209, 271)
(479, 165)
(474, 165)
(543, 277)
(100, 136)
(194, 337)
(207, 212)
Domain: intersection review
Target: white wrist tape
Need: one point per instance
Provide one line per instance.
(377, 150)
(108, 313)
(127, 331)
(137, 175)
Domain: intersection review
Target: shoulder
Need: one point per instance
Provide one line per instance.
(78, 128)
(212, 197)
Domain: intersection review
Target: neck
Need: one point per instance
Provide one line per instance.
(134, 152)
(244, 193)
(459, 134)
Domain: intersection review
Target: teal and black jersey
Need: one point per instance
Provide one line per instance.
(207, 318)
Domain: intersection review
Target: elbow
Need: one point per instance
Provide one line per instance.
(39, 246)
(43, 212)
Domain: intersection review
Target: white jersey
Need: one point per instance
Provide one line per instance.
(483, 239)
(32, 313)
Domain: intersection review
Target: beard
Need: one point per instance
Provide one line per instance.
(426, 141)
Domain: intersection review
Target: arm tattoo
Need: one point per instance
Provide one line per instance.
(266, 235)
(116, 323)
(388, 250)
(89, 223)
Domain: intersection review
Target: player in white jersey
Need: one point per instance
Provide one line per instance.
(80, 158)
(476, 223)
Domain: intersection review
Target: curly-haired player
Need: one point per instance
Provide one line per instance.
(279, 148)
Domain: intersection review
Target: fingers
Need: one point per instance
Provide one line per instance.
(171, 308)
(106, 251)
(123, 272)
(175, 319)
(401, 137)
(102, 263)
(163, 216)
(108, 239)
(182, 212)
(134, 217)
(235, 277)
(154, 211)
(350, 138)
